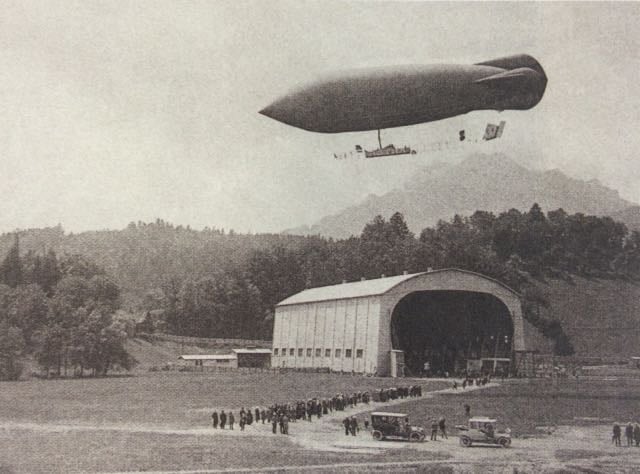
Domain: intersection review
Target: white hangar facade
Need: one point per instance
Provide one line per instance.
(348, 327)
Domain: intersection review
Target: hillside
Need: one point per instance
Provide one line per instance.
(602, 317)
(488, 182)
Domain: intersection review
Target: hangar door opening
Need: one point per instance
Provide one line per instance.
(452, 332)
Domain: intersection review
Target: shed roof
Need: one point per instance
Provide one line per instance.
(356, 289)
(208, 357)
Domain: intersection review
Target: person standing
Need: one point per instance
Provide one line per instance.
(434, 430)
(243, 421)
(285, 424)
(347, 426)
(353, 424)
(443, 428)
(214, 419)
(616, 434)
(274, 423)
(628, 432)
(636, 434)
(257, 417)
(467, 410)
(232, 420)
(223, 419)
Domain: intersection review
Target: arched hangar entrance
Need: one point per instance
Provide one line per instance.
(452, 332)
(449, 321)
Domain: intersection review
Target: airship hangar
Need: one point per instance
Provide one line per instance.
(439, 321)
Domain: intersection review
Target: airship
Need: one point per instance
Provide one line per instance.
(398, 96)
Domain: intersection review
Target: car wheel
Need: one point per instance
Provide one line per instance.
(415, 437)
(377, 435)
(504, 442)
(464, 441)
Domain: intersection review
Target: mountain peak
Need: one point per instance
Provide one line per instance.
(490, 182)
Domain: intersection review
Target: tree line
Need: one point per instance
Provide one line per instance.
(213, 283)
(517, 248)
(58, 311)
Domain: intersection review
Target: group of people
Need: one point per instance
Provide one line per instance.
(438, 425)
(279, 415)
(470, 381)
(393, 393)
(631, 433)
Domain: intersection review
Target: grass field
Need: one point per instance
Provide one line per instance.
(525, 405)
(160, 421)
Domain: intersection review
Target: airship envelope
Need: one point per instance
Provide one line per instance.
(370, 99)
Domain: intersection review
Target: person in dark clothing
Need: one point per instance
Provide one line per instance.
(628, 432)
(347, 426)
(353, 425)
(636, 434)
(243, 421)
(249, 417)
(616, 434)
(214, 419)
(274, 423)
(467, 410)
(442, 426)
(223, 419)
(232, 420)
(434, 430)
(257, 417)
(263, 415)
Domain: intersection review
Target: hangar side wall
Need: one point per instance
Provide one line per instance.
(443, 281)
(341, 335)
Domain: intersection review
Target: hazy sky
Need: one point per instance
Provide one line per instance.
(112, 112)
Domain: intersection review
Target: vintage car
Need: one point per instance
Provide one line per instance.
(387, 425)
(483, 430)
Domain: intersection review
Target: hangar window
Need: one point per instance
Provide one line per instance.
(359, 353)
(347, 353)
(327, 352)
(308, 352)
(291, 352)
(338, 353)
(275, 352)
(300, 351)
(284, 351)
(318, 352)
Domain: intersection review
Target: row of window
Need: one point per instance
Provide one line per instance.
(327, 352)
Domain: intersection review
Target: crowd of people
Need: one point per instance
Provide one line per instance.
(279, 415)
(631, 433)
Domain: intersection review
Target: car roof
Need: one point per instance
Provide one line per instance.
(483, 419)
(385, 413)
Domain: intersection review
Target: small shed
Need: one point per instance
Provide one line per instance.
(253, 357)
(212, 360)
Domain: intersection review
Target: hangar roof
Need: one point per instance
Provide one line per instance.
(356, 289)
(360, 289)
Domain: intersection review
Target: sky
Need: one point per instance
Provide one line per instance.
(112, 112)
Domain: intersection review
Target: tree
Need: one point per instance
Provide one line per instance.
(12, 347)
(11, 267)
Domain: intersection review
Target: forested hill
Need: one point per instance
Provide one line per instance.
(143, 256)
(493, 183)
(212, 283)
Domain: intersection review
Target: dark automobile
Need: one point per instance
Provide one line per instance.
(395, 426)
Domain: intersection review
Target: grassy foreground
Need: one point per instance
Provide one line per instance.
(39, 419)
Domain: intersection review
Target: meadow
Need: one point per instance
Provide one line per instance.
(160, 421)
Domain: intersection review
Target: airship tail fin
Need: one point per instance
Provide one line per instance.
(515, 62)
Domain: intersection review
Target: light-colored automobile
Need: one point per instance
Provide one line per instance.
(387, 425)
(483, 430)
